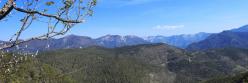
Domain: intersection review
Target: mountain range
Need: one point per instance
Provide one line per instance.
(201, 41)
(181, 41)
(236, 38)
(109, 41)
(112, 41)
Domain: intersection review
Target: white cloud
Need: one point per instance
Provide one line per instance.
(168, 27)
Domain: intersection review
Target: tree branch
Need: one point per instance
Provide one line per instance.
(47, 15)
(7, 8)
(63, 17)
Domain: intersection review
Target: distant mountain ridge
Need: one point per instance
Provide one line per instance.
(241, 29)
(109, 41)
(181, 41)
(74, 41)
(1, 43)
(201, 41)
(237, 38)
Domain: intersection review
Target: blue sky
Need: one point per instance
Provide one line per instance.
(154, 17)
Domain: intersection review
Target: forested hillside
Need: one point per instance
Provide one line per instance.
(151, 63)
(27, 69)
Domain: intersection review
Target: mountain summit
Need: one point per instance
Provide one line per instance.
(112, 41)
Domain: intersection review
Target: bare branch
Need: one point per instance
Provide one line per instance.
(47, 15)
(7, 8)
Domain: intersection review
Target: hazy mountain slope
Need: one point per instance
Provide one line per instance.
(241, 29)
(70, 41)
(1, 43)
(181, 41)
(108, 41)
(73, 41)
(222, 40)
(232, 38)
